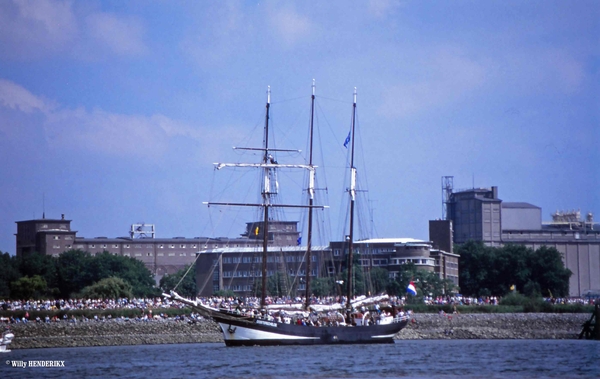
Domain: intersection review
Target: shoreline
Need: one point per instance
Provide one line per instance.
(425, 326)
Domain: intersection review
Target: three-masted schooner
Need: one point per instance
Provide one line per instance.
(261, 328)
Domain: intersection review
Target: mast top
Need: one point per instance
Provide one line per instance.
(268, 94)
(355, 95)
(313, 88)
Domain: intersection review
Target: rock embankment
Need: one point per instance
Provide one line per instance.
(495, 326)
(425, 326)
(112, 333)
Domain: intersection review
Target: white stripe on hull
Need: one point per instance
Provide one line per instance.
(242, 333)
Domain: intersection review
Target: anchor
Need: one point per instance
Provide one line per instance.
(231, 330)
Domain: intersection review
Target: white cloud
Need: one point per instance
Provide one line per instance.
(289, 26)
(41, 28)
(219, 35)
(382, 8)
(121, 35)
(15, 97)
(96, 130)
(35, 28)
(446, 76)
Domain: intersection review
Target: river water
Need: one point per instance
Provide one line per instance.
(405, 359)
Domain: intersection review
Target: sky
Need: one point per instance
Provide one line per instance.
(113, 112)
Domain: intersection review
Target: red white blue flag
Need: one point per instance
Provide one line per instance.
(411, 289)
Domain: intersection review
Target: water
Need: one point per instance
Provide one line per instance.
(404, 359)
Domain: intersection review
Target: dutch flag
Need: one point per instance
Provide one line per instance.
(411, 289)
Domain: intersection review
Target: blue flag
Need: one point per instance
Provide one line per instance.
(347, 141)
(299, 241)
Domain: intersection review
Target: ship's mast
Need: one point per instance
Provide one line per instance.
(266, 193)
(311, 193)
(352, 192)
(269, 166)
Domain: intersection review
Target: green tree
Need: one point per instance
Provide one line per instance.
(33, 264)
(34, 287)
(186, 288)
(9, 272)
(323, 286)
(486, 271)
(108, 288)
(379, 279)
(132, 270)
(74, 272)
(549, 272)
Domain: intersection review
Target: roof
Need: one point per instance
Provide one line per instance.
(42, 220)
(519, 205)
(256, 249)
(391, 240)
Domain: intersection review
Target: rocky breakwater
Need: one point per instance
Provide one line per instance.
(112, 333)
(495, 326)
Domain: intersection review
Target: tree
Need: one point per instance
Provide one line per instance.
(549, 272)
(108, 288)
(74, 272)
(132, 270)
(34, 263)
(378, 279)
(34, 287)
(323, 286)
(9, 272)
(78, 269)
(486, 271)
(186, 288)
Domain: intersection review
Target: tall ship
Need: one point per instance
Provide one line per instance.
(359, 320)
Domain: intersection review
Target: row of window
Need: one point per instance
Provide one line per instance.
(271, 259)
(376, 262)
(258, 274)
(67, 238)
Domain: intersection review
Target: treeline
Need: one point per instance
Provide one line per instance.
(73, 274)
(487, 271)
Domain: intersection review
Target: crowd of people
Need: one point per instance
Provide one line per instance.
(99, 304)
(147, 304)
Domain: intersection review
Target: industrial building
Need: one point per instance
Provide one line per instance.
(478, 214)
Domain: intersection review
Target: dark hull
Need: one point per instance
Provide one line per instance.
(251, 332)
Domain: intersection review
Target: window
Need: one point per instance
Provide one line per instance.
(171, 254)
(56, 247)
(336, 252)
(56, 237)
(182, 246)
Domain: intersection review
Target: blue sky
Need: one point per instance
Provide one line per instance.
(113, 112)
